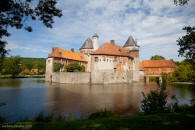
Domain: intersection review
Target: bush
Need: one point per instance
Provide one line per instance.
(57, 67)
(182, 108)
(1, 119)
(155, 101)
(102, 114)
(43, 118)
(75, 67)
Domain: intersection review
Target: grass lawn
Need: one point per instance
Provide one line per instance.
(166, 121)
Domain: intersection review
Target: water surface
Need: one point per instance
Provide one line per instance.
(27, 97)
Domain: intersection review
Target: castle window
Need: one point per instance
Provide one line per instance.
(115, 59)
(96, 59)
(107, 60)
(115, 70)
(104, 59)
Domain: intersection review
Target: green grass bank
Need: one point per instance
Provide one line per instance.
(164, 121)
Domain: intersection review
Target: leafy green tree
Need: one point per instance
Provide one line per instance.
(12, 66)
(187, 43)
(184, 73)
(29, 66)
(75, 67)
(181, 2)
(57, 67)
(18, 13)
(157, 57)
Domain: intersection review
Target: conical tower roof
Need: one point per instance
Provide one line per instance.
(95, 35)
(88, 44)
(130, 42)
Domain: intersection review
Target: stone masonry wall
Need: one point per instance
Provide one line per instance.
(71, 77)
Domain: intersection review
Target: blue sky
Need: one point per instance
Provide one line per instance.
(156, 25)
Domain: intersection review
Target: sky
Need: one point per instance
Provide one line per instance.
(156, 25)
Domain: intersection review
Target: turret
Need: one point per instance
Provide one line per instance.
(87, 46)
(95, 39)
(132, 48)
(131, 44)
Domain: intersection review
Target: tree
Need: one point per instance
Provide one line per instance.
(18, 13)
(181, 2)
(12, 66)
(57, 67)
(187, 43)
(75, 67)
(29, 66)
(157, 57)
(185, 72)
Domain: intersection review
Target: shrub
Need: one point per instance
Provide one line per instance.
(57, 67)
(1, 119)
(75, 67)
(102, 114)
(43, 118)
(155, 101)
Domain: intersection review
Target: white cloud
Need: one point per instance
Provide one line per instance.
(153, 23)
(30, 48)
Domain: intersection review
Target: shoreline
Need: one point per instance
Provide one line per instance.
(190, 83)
(21, 76)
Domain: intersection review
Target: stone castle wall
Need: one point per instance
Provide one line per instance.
(95, 77)
(71, 77)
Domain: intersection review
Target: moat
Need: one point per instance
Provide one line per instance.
(27, 97)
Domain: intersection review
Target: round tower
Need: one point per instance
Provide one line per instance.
(95, 39)
(131, 44)
(132, 48)
(87, 48)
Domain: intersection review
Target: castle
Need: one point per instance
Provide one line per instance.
(109, 63)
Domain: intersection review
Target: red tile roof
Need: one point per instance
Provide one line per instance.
(110, 49)
(61, 53)
(158, 63)
(141, 66)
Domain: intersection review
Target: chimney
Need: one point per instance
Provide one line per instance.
(112, 42)
(72, 49)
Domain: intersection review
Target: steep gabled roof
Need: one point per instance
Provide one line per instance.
(61, 53)
(158, 63)
(110, 49)
(88, 44)
(130, 42)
